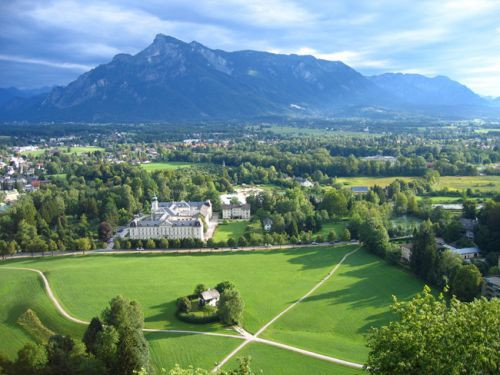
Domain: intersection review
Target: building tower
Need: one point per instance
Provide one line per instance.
(154, 204)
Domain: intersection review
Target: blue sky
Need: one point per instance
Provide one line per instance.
(53, 41)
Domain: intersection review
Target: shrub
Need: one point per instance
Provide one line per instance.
(184, 304)
(224, 285)
(34, 326)
(207, 315)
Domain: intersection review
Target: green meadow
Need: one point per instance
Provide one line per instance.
(332, 321)
(335, 319)
(233, 229)
(272, 360)
(78, 150)
(169, 165)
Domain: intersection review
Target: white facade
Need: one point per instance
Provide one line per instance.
(173, 220)
(236, 211)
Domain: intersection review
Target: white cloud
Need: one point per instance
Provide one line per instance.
(353, 58)
(54, 64)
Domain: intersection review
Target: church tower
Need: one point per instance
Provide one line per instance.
(154, 204)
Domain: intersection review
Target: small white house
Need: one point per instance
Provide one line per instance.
(210, 297)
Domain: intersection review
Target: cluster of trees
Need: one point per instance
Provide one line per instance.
(114, 344)
(82, 211)
(443, 268)
(432, 336)
(342, 156)
(229, 309)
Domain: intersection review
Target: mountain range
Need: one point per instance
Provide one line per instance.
(171, 80)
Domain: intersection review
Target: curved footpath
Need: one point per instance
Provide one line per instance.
(243, 335)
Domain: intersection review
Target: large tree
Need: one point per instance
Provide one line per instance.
(431, 336)
(231, 307)
(466, 283)
(424, 256)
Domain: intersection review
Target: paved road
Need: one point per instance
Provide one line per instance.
(179, 251)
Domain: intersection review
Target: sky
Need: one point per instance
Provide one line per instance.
(52, 42)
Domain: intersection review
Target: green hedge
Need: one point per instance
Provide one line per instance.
(198, 317)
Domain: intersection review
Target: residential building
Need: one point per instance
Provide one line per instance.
(406, 252)
(236, 211)
(491, 287)
(210, 297)
(173, 220)
(304, 182)
(360, 189)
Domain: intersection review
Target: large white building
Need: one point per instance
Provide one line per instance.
(236, 211)
(173, 220)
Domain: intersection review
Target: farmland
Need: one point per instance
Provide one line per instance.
(78, 150)
(357, 297)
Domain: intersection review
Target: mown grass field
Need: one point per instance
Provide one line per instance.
(332, 321)
(233, 229)
(170, 165)
(482, 183)
(20, 290)
(85, 284)
(336, 318)
(272, 360)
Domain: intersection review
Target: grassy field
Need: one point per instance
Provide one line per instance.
(20, 290)
(151, 167)
(334, 320)
(156, 281)
(482, 183)
(201, 351)
(72, 150)
(233, 229)
(272, 360)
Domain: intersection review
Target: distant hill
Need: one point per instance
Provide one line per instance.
(424, 91)
(172, 80)
(8, 93)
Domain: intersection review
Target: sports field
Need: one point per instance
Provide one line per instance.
(331, 321)
(170, 165)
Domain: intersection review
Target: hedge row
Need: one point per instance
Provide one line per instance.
(198, 317)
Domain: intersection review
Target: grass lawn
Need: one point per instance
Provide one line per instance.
(272, 360)
(151, 167)
(72, 150)
(85, 284)
(233, 229)
(20, 290)
(167, 350)
(334, 320)
(337, 227)
(369, 181)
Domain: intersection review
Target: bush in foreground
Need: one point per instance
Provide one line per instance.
(432, 337)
